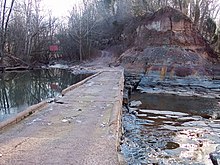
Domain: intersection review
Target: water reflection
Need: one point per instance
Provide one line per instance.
(19, 90)
(193, 105)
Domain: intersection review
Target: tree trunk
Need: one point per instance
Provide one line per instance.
(80, 50)
(202, 19)
(197, 13)
(4, 27)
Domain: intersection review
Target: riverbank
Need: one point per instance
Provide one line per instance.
(171, 120)
(83, 127)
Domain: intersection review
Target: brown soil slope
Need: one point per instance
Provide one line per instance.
(168, 41)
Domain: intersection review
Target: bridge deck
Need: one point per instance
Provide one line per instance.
(81, 128)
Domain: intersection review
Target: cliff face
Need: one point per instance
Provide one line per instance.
(168, 38)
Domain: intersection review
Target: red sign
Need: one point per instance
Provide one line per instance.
(54, 48)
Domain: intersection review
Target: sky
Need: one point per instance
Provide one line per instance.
(60, 8)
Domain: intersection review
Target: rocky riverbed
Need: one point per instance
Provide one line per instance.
(171, 121)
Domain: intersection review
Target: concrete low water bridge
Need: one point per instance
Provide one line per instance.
(82, 127)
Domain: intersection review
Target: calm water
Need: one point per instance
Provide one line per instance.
(18, 90)
(192, 105)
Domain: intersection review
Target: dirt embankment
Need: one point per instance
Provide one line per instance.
(167, 42)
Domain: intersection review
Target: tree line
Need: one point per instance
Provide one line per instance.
(27, 31)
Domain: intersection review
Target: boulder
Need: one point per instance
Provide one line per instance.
(135, 103)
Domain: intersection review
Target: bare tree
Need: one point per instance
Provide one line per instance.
(82, 23)
(6, 10)
(31, 32)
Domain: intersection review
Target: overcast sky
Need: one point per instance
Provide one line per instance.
(60, 8)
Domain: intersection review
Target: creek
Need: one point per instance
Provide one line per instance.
(171, 128)
(18, 90)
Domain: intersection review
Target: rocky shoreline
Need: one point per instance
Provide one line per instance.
(159, 129)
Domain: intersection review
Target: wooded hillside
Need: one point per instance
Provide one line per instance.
(28, 31)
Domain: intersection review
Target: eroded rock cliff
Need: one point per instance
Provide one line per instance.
(167, 42)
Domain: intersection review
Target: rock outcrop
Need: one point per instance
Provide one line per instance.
(168, 42)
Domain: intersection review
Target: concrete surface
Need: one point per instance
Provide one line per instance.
(83, 127)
